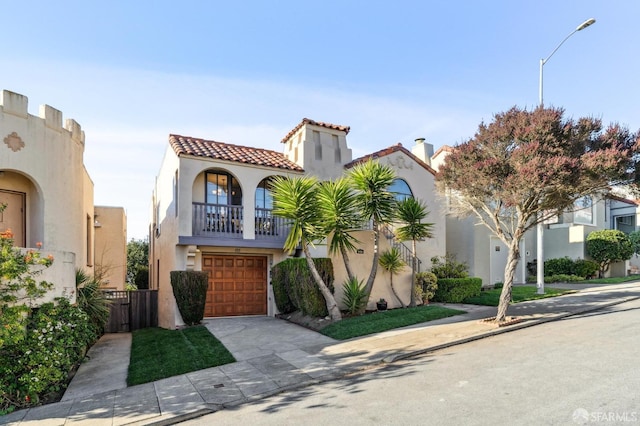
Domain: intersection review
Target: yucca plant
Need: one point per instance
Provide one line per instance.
(354, 296)
(92, 300)
(391, 261)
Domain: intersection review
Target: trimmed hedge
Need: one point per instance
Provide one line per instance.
(566, 266)
(455, 290)
(559, 266)
(190, 290)
(295, 289)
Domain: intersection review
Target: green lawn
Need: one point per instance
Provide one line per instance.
(157, 353)
(615, 280)
(376, 322)
(518, 294)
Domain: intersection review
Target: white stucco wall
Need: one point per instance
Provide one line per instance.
(166, 254)
(319, 150)
(44, 159)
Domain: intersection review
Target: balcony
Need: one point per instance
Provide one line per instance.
(217, 220)
(226, 225)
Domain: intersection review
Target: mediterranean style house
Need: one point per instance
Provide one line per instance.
(49, 195)
(212, 211)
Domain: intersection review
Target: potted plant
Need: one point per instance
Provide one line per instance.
(381, 304)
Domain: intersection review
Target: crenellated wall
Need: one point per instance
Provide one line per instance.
(42, 163)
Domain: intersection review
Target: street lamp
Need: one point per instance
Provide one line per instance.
(540, 226)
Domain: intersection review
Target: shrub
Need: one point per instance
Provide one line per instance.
(354, 296)
(564, 266)
(92, 300)
(586, 268)
(280, 292)
(190, 290)
(562, 278)
(498, 286)
(634, 237)
(295, 286)
(448, 267)
(141, 279)
(559, 266)
(608, 246)
(455, 290)
(427, 283)
(18, 271)
(35, 367)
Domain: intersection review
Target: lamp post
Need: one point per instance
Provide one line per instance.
(540, 226)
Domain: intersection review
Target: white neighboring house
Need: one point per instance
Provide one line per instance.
(566, 235)
(48, 192)
(211, 211)
(625, 216)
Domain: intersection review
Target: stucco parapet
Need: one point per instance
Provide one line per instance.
(77, 134)
(52, 117)
(14, 103)
(17, 105)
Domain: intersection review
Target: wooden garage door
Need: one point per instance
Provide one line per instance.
(237, 285)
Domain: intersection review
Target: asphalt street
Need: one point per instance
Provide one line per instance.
(580, 370)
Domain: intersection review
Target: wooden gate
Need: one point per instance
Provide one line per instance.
(132, 310)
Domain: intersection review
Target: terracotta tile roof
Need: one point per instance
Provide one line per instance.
(316, 123)
(623, 200)
(388, 151)
(186, 145)
(443, 148)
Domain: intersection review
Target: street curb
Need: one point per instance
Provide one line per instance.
(518, 326)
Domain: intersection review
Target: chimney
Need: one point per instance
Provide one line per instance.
(423, 150)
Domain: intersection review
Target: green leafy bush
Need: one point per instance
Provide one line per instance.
(36, 367)
(559, 266)
(608, 246)
(455, 290)
(294, 286)
(562, 278)
(190, 290)
(427, 283)
(92, 300)
(18, 271)
(354, 296)
(564, 266)
(279, 274)
(586, 268)
(141, 279)
(448, 267)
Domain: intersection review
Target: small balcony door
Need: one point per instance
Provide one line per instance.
(13, 217)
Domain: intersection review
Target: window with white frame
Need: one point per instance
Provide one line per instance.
(626, 223)
(583, 210)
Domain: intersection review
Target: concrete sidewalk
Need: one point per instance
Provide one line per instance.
(273, 356)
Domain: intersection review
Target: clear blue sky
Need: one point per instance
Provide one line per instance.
(131, 72)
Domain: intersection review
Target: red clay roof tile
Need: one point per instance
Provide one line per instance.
(304, 121)
(388, 151)
(186, 145)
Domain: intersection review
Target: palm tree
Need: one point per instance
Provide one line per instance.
(371, 181)
(339, 214)
(411, 213)
(391, 261)
(296, 199)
